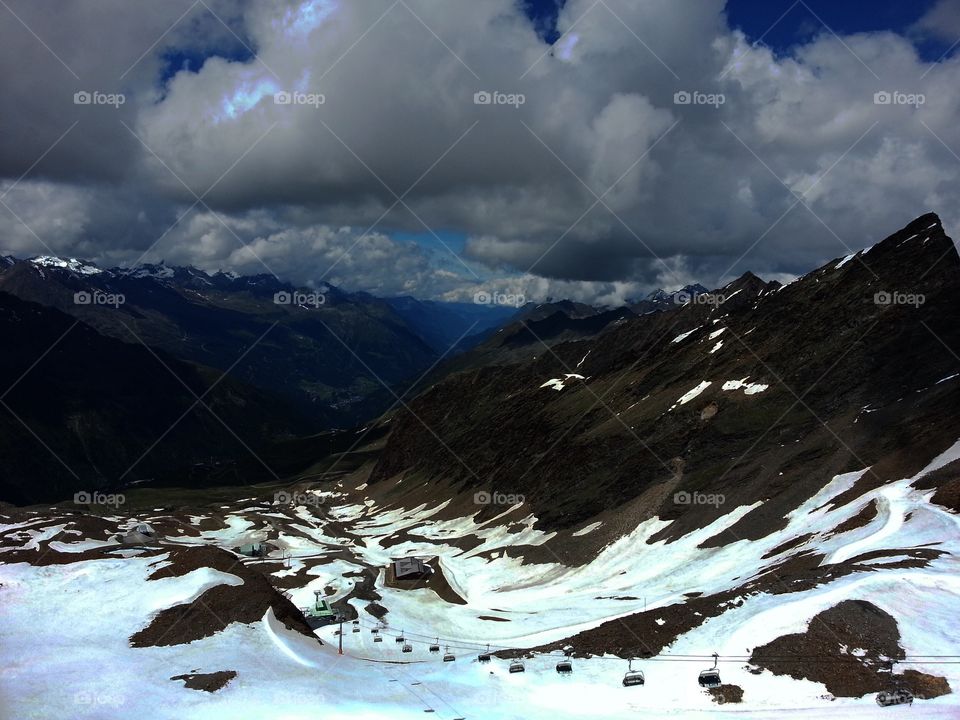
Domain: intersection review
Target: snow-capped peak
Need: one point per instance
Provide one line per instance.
(155, 271)
(72, 264)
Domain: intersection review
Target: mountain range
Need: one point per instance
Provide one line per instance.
(571, 388)
(289, 361)
(755, 395)
(759, 482)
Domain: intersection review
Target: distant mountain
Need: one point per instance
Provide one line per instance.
(530, 333)
(325, 351)
(660, 300)
(81, 411)
(446, 325)
(570, 308)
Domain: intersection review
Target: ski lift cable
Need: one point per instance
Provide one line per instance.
(468, 645)
(432, 691)
(410, 690)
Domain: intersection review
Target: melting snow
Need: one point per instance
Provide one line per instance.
(681, 336)
(691, 394)
(843, 262)
(71, 264)
(588, 529)
(558, 384)
(748, 388)
(281, 674)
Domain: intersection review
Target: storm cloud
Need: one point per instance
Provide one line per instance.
(651, 146)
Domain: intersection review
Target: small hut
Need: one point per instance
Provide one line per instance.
(142, 534)
(411, 569)
(255, 550)
(320, 613)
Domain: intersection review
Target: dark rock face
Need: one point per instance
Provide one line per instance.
(727, 694)
(80, 409)
(208, 682)
(848, 649)
(531, 333)
(852, 356)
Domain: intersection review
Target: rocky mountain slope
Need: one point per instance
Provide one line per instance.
(755, 398)
(534, 330)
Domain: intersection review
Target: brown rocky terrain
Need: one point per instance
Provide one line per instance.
(825, 653)
(219, 606)
(208, 682)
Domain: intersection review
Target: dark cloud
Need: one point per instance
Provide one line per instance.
(587, 175)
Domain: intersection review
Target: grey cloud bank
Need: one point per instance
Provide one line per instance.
(599, 186)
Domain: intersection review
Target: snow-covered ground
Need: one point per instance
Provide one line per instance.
(64, 628)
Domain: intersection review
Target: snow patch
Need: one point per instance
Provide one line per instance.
(558, 384)
(843, 262)
(681, 336)
(71, 264)
(748, 388)
(691, 394)
(587, 529)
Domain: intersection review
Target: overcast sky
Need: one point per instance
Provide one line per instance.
(588, 176)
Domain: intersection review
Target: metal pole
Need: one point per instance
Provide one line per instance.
(340, 650)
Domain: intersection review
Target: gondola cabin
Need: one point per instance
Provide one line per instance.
(709, 678)
(633, 677)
